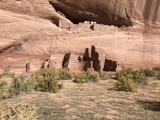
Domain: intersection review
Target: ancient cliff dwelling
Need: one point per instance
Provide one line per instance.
(126, 34)
(119, 36)
(79, 59)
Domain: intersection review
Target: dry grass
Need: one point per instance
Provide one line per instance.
(96, 101)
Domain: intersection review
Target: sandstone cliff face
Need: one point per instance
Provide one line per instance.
(111, 12)
(37, 8)
(27, 30)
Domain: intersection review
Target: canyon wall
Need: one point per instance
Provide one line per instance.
(28, 30)
(111, 12)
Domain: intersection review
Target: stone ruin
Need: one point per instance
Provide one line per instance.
(63, 24)
(83, 26)
(92, 60)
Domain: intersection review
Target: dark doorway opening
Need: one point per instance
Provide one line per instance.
(86, 55)
(65, 61)
(95, 59)
(110, 65)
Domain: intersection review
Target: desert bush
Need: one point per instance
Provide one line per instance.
(148, 72)
(103, 75)
(80, 78)
(4, 90)
(20, 111)
(17, 85)
(128, 79)
(1, 75)
(156, 68)
(92, 76)
(7, 72)
(137, 75)
(65, 74)
(46, 80)
(126, 83)
(85, 77)
(158, 77)
(28, 86)
(60, 86)
(124, 72)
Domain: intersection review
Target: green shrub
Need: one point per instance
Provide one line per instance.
(103, 75)
(80, 78)
(64, 74)
(28, 86)
(17, 85)
(158, 77)
(138, 75)
(86, 77)
(128, 79)
(148, 72)
(126, 83)
(46, 80)
(4, 91)
(60, 86)
(1, 75)
(156, 68)
(7, 72)
(124, 72)
(92, 76)
(20, 111)
(6, 69)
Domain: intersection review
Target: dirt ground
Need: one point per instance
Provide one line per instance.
(95, 101)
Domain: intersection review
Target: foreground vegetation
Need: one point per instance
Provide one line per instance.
(19, 111)
(44, 80)
(84, 95)
(96, 101)
(129, 79)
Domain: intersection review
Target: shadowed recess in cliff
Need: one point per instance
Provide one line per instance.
(61, 8)
(95, 10)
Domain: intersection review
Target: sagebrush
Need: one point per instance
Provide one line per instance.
(85, 77)
(148, 72)
(128, 79)
(138, 75)
(103, 75)
(19, 111)
(157, 68)
(46, 80)
(4, 90)
(64, 74)
(17, 85)
(126, 83)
